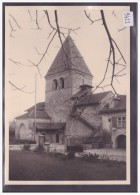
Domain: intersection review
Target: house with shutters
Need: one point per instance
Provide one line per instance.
(114, 122)
(71, 111)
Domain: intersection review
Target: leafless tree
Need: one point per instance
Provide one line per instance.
(115, 56)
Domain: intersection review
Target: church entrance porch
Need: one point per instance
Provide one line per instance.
(52, 132)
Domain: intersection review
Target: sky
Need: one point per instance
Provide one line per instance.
(91, 40)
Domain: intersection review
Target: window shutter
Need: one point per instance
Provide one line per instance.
(114, 121)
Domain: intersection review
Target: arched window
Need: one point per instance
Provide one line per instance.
(61, 83)
(55, 84)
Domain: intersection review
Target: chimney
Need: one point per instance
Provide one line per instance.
(86, 87)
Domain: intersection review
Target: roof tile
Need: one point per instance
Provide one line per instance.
(68, 58)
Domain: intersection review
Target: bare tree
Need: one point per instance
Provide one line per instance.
(115, 57)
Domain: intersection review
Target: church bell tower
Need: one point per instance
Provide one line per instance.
(64, 78)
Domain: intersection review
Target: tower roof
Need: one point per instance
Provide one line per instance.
(68, 58)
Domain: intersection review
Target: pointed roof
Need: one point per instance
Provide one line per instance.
(68, 58)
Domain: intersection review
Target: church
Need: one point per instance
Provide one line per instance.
(72, 113)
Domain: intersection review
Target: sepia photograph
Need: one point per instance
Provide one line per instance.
(67, 84)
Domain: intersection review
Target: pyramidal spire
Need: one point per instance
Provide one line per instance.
(68, 58)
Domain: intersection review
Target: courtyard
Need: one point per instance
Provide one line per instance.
(28, 165)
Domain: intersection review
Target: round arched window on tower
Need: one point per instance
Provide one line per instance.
(61, 82)
(55, 84)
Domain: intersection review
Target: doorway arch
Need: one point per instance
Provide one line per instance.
(121, 142)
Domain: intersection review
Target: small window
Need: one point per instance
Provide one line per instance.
(109, 120)
(61, 83)
(121, 121)
(55, 84)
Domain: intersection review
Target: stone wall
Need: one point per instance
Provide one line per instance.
(91, 116)
(59, 111)
(57, 101)
(24, 128)
(79, 79)
(75, 128)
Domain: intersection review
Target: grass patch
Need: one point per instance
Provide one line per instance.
(27, 165)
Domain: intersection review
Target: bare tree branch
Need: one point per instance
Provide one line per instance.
(47, 48)
(120, 75)
(119, 51)
(39, 53)
(15, 21)
(115, 62)
(12, 30)
(35, 66)
(116, 79)
(20, 89)
(111, 44)
(48, 18)
(61, 31)
(120, 71)
(59, 35)
(30, 15)
(70, 29)
(121, 29)
(92, 21)
(19, 63)
(37, 20)
(113, 13)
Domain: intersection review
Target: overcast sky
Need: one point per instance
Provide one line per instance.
(91, 41)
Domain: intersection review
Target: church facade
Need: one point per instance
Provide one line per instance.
(71, 113)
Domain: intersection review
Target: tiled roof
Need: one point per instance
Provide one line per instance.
(39, 114)
(23, 116)
(31, 114)
(93, 98)
(68, 58)
(39, 106)
(50, 126)
(119, 105)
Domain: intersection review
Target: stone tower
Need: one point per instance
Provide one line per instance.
(67, 72)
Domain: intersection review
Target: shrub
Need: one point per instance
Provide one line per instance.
(26, 147)
(39, 149)
(71, 155)
(90, 157)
